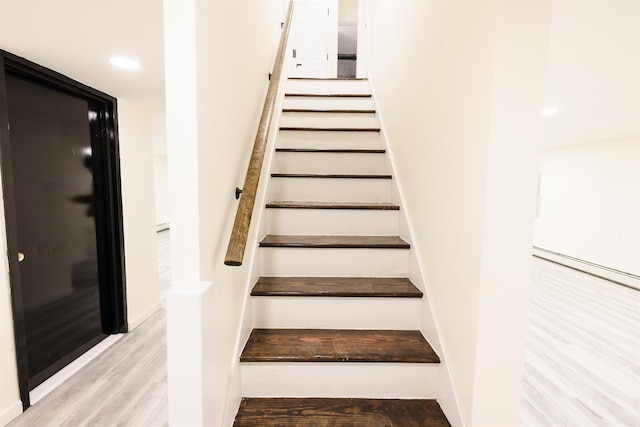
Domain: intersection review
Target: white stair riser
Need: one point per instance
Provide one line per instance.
(330, 189)
(329, 163)
(332, 222)
(320, 262)
(329, 120)
(327, 103)
(336, 313)
(327, 86)
(328, 379)
(329, 140)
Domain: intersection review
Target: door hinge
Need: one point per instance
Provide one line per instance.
(327, 11)
(327, 56)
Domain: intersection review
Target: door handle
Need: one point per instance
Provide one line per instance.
(20, 257)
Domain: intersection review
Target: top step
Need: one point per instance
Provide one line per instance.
(328, 87)
(347, 79)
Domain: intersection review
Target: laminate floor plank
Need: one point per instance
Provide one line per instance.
(164, 261)
(582, 363)
(124, 386)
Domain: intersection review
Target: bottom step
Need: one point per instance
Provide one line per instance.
(320, 412)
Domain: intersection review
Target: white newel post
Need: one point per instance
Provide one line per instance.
(190, 354)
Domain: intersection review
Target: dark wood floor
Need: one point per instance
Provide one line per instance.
(340, 412)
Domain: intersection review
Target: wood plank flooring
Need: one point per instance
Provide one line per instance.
(124, 386)
(336, 287)
(582, 367)
(337, 345)
(339, 412)
(582, 362)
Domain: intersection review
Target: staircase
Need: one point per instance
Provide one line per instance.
(336, 338)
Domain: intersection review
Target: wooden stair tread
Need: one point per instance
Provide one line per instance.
(332, 412)
(316, 129)
(364, 242)
(314, 110)
(329, 95)
(331, 150)
(337, 345)
(339, 79)
(333, 205)
(329, 175)
(336, 287)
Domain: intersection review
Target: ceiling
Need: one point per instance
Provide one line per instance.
(593, 71)
(78, 37)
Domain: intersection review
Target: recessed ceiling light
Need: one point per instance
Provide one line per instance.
(549, 111)
(126, 63)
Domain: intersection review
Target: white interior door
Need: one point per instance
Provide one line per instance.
(314, 34)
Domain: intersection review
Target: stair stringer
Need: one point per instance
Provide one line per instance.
(445, 390)
(252, 259)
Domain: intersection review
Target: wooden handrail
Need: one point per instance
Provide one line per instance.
(240, 231)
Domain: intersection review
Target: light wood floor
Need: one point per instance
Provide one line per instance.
(582, 361)
(124, 386)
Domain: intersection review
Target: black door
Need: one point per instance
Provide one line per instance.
(56, 229)
(60, 176)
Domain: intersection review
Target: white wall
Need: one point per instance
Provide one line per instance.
(161, 167)
(590, 203)
(347, 11)
(461, 120)
(231, 80)
(138, 209)
(161, 174)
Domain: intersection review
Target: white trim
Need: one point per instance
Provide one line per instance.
(446, 393)
(10, 413)
(619, 277)
(65, 373)
(144, 316)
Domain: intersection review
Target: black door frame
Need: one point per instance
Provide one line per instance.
(110, 239)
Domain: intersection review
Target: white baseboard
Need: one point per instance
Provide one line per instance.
(144, 316)
(626, 279)
(65, 373)
(10, 413)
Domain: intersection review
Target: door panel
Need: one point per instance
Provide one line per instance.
(311, 37)
(51, 155)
